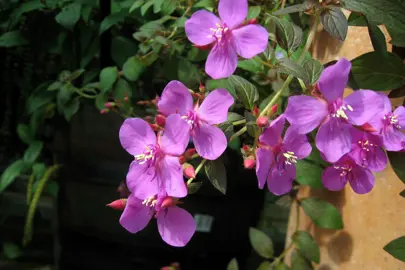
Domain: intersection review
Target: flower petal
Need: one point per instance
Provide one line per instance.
(377, 121)
(214, 108)
(363, 105)
(334, 78)
(305, 113)
(221, 61)
(135, 216)
(281, 183)
(332, 180)
(135, 134)
(198, 27)
(175, 136)
(250, 40)
(297, 143)
(175, 99)
(392, 139)
(333, 139)
(171, 177)
(272, 135)
(209, 141)
(361, 180)
(264, 159)
(400, 113)
(142, 181)
(176, 226)
(233, 12)
(377, 160)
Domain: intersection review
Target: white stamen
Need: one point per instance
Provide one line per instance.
(290, 158)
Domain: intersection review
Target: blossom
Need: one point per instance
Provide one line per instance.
(366, 150)
(276, 158)
(176, 226)
(389, 124)
(209, 140)
(227, 34)
(333, 113)
(155, 168)
(346, 170)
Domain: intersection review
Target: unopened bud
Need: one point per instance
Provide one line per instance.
(189, 153)
(255, 111)
(104, 111)
(155, 127)
(156, 100)
(160, 120)
(202, 88)
(249, 162)
(196, 95)
(245, 149)
(188, 170)
(204, 47)
(273, 109)
(118, 204)
(182, 159)
(148, 118)
(252, 21)
(141, 102)
(110, 105)
(126, 99)
(262, 121)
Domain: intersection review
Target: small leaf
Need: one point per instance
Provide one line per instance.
(24, 133)
(132, 68)
(76, 74)
(33, 151)
(70, 108)
(64, 95)
(397, 248)
(69, 15)
(322, 213)
(55, 86)
(122, 89)
(292, 68)
(188, 73)
(251, 125)
(307, 245)
(313, 69)
(250, 65)
(136, 5)
(335, 23)
(38, 169)
(11, 251)
(261, 243)
(266, 265)
(227, 128)
(113, 19)
(377, 38)
(11, 173)
(157, 5)
(108, 76)
(193, 187)
(299, 262)
(221, 83)
(101, 99)
(208, 4)
(233, 265)
(397, 163)
(145, 7)
(357, 19)
(253, 12)
(289, 36)
(12, 39)
(246, 91)
(309, 174)
(39, 99)
(282, 266)
(232, 117)
(216, 173)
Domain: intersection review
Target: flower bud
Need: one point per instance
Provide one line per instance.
(249, 162)
(160, 120)
(368, 128)
(204, 47)
(126, 99)
(188, 170)
(104, 111)
(273, 109)
(252, 21)
(189, 153)
(202, 88)
(118, 204)
(181, 159)
(154, 127)
(255, 111)
(196, 95)
(110, 105)
(262, 121)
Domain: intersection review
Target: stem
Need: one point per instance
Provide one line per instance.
(29, 187)
(257, 59)
(82, 94)
(240, 122)
(287, 82)
(304, 88)
(283, 3)
(197, 170)
(237, 134)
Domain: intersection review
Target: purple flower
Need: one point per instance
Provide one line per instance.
(229, 36)
(346, 169)
(332, 112)
(209, 140)
(156, 169)
(389, 125)
(176, 226)
(276, 158)
(366, 150)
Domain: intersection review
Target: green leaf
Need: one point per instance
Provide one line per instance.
(38, 169)
(378, 72)
(53, 188)
(101, 99)
(37, 118)
(28, 6)
(193, 187)
(64, 95)
(221, 83)
(228, 129)
(289, 36)
(282, 266)
(295, 8)
(322, 213)
(157, 5)
(357, 19)
(55, 86)
(24, 133)
(188, 73)
(11, 251)
(313, 69)
(136, 5)
(397, 163)
(299, 262)
(377, 38)
(12, 39)
(233, 265)
(33, 151)
(253, 12)
(216, 173)
(122, 89)
(396, 93)
(169, 6)
(113, 19)
(11, 173)
(70, 108)
(307, 245)
(108, 76)
(38, 100)
(251, 125)
(208, 4)
(309, 174)
(145, 7)
(132, 68)
(250, 65)
(232, 117)
(261, 243)
(292, 68)
(387, 12)
(246, 91)
(69, 15)
(335, 23)
(265, 265)
(397, 248)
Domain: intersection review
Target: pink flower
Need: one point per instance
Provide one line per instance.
(156, 168)
(229, 36)
(176, 226)
(276, 158)
(346, 170)
(332, 113)
(390, 124)
(209, 140)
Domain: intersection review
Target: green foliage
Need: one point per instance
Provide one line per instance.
(69, 15)
(397, 163)
(261, 243)
(313, 68)
(307, 245)
(132, 68)
(11, 251)
(245, 90)
(309, 173)
(33, 151)
(322, 213)
(12, 39)
(233, 265)
(108, 76)
(335, 22)
(397, 248)
(289, 36)
(292, 68)
(299, 262)
(11, 173)
(216, 173)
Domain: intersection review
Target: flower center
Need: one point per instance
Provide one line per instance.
(392, 119)
(344, 168)
(150, 202)
(284, 158)
(366, 147)
(337, 109)
(191, 118)
(220, 33)
(290, 158)
(150, 153)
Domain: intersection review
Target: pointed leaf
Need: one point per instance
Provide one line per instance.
(193, 187)
(309, 174)
(307, 245)
(12, 39)
(69, 15)
(397, 248)
(250, 65)
(357, 19)
(377, 38)
(113, 19)
(299, 262)
(70, 108)
(253, 12)
(296, 8)
(33, 151)
(322, 213)
(12, 172)
(132, 68)
(289, 36)
(122, 89)
(108, 76)
(313, 69)
(335, 23)
(25, 133)
(292, 68)
(216, 173)
(261, 243)
(246, 91)
(136, 5)
(233, 265)
(221, 83)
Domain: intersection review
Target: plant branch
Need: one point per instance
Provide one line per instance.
(237, 134)
(240, 122)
